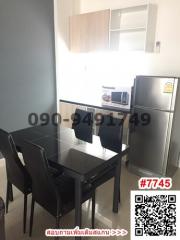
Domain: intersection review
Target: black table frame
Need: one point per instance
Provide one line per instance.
(79, 178)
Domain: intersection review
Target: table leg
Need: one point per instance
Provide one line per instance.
(11, 193)
(116, 195)
(78, 200)
(2, 227)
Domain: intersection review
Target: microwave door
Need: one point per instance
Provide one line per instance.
(125, 98)
(116, 97)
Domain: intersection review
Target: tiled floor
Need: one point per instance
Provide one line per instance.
(105, 218)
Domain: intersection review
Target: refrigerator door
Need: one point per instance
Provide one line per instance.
(149, 144)
(155, 92)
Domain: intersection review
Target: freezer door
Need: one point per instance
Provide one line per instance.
(155, 92)
(148, 144)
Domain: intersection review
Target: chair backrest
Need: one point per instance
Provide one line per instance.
(2, 227)
(111, 132)
(44, 190)
(83, 125)
(14, 168)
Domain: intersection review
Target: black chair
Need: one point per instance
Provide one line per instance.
(83, 125)
(110, 133)
(17, 174)
(2, 227)
(54, 195)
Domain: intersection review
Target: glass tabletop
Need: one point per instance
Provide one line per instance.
(63, 149)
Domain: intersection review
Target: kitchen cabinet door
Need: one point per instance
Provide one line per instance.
(133, 28)
(66, 111)
(90, 31)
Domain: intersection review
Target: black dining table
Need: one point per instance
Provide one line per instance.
(78, 159)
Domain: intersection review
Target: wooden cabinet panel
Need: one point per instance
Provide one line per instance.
(66, 110)
(90, 31)
(129, 29)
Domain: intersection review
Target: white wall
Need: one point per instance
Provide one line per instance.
(63, 10)
(95, 5)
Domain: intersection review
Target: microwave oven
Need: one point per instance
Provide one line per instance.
(119, 97)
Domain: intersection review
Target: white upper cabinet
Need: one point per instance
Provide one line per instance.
(133, 28)
(127, 29)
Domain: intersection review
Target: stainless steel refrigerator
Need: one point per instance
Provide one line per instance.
(155, 126)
